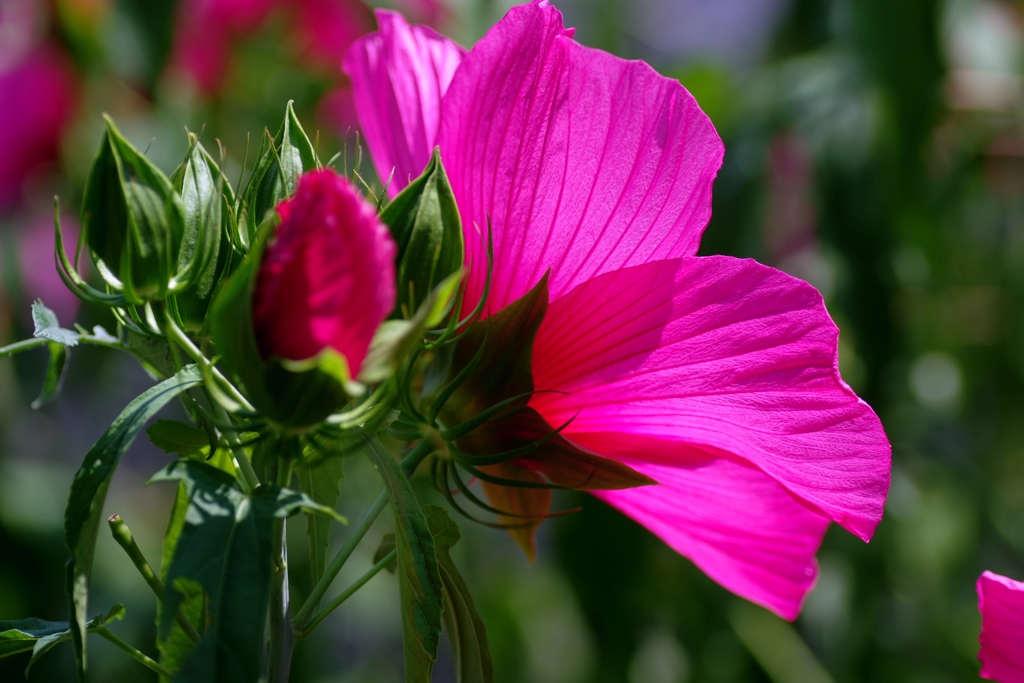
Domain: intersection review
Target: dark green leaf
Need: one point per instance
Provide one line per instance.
(424, 220)
(320, 480)
(419, 579)
(54, 375)
(172, 436)
(224, 547)
(462, 623)
(47, 326)
(154, 355)
(387, 544)
(46, 643)
(89, 490)
(176, 644)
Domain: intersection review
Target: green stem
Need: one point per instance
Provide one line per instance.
(181, 339)
(249, 479)
(23, 345)
(282, 637)
(135, 654)
(123, 536)
(347, 593)
(409, 464)
(36, 342)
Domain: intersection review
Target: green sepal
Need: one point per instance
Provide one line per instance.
(466, 631)
(133, 220)
(205, 256)
(396, 339)
(278, 166)
(425, 223)
(292, 393)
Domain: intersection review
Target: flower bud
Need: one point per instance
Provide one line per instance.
(328, 278)
(293, 323)
(424, 220)
(133, 220)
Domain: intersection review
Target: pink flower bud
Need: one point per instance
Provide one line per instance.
(328, 277)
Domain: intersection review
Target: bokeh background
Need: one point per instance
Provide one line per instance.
(874, 148)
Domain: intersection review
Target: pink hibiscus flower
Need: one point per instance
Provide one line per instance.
(716, 377)
(1001, 603)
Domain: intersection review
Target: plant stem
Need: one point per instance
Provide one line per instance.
(249, 478)
(181, 339)
(123, 536)
(23, 345)
(134, 654)
(409, 464)
(347, 593)
(282, 637)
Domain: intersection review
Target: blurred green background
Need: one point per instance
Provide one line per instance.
(874, 148)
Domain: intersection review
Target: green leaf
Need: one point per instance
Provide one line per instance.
(205, 248)
(47, 327)
(419, 578)
(396, 339)
(172, 436)
(54, 378)
(176, 644)
(46, 643)
(462, 623)
(280, 163)
(224, 547)
(424, 220)
(320, 480)
(154, 355)
(387, 544)
(39, 635)
(89, 490)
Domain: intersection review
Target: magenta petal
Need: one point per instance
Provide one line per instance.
(1001, 603)
(738, 525)
(734, 358)
(399, 74)
(582, 162)
(328, 278)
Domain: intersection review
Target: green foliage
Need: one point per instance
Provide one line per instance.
(320, 479)
(224, 546)
(419, 578)
(462, 623)
(40, 636)
(89, 490)
(424, 220)
(175, 437)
